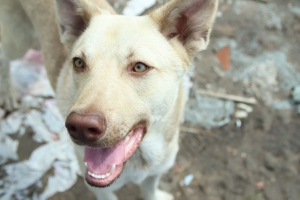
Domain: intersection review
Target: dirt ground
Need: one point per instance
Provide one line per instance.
(259, 160)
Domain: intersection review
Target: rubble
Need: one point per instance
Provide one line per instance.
(39, 113)
(209, 112)
(137, 7)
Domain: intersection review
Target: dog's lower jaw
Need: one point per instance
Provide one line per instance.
(106, 182)
(104, 166)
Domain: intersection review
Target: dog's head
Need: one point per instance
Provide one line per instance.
(126, 74)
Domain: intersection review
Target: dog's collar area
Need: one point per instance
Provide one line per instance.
(104, 165)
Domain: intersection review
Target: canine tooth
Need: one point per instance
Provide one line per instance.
(112, 168)
(127, 138)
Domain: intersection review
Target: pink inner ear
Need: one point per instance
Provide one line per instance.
(191, 21)
(182, 28)
(70, 19)
(195, 8)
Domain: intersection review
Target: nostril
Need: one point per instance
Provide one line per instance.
(72, 128)
(93, 130)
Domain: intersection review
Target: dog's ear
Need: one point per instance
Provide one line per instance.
(189, 21)
(74, 17)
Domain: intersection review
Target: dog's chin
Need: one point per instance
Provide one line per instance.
(105, 165)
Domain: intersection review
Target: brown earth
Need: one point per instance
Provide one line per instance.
(258, 161)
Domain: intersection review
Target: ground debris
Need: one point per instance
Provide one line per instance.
(39, 113)
(209, 112)
(296, 97)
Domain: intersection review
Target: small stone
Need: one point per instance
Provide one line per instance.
(260, 185)
(188, 179)
(245, 107)
(240, 114)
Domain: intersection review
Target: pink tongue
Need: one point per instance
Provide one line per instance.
(100, 161)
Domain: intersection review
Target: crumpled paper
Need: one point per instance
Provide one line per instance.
(209, 112)
(137, 7)
(38, 112)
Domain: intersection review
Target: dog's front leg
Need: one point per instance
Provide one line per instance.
(8, 98)
(150, 191)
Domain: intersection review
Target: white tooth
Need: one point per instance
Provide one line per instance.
(112, 168)
(99, 176)
(85, 163)
(127, 139)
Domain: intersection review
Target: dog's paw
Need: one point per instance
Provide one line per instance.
(162, 195)
(8, 98)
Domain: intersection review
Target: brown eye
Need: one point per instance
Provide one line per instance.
(140, 68)
(78, 63)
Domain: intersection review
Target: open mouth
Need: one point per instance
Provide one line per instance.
(104, 165)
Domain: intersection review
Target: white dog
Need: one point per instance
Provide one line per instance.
(118, 80)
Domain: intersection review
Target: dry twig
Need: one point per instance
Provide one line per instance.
(250, 100)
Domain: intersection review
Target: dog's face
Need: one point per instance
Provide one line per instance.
(126, 73)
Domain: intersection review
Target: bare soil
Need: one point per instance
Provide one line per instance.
(259, 160)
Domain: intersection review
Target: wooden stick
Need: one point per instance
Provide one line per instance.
(196, 131)
(241, 99)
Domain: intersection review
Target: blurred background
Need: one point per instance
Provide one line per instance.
(240, 139)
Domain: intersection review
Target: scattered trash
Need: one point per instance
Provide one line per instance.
(242, 111)
(209, 112)
(268, 14)
(260, 185)
(296, 97)
(264, 74)
(224, 57)
(296, 94)
(250, 100)
(137, 7)
(2, 113)
(238, 123)
(8, 149)
(29, 75)
(34, 120)
(39, 112)
(244, 107)
(11, 124)
(52, 117)
(188, 179)
(282, 105)
(240, 114)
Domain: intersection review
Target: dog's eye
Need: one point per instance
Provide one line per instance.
(78, 63)
(140, 68)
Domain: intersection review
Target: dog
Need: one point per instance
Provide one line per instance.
(118, 81)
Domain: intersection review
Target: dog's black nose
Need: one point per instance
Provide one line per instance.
(85, 128)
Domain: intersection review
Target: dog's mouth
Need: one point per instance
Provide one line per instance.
(104, 165)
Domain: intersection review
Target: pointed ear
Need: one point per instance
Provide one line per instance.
(188, 21)
(74, 17)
